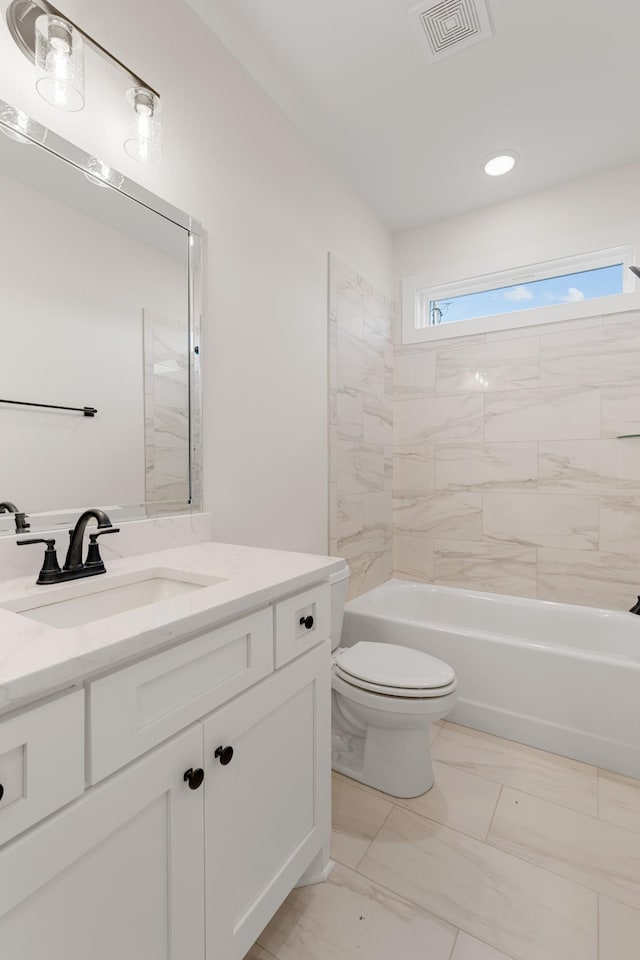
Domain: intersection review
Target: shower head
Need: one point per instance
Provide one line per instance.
(635, 271)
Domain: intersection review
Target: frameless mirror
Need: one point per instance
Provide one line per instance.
(99, 363)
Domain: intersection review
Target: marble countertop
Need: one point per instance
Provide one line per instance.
(37, 660)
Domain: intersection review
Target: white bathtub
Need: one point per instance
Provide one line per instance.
(560, 677)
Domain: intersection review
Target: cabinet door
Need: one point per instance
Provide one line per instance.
(119, 874)
(267, 811)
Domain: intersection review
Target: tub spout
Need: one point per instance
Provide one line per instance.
(636, 607)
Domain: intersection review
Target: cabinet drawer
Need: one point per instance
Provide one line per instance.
(138, 707)
(302, 622)
(41, 762)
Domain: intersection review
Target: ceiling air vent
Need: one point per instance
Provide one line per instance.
(449, 26)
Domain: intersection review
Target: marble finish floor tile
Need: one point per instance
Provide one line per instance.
(457, 800)
(572, 845)
(350, 918)
(259, 953)
(619, 802)
(619, 931)
(468, 948)
(545, 775)
(514, 906)
(357, 818)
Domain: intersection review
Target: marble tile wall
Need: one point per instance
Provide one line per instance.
(508, 475)
(166, 413)
(361, 427)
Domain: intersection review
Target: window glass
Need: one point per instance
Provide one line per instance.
(546, 292)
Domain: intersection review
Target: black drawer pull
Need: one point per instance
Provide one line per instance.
(306, 622)
(224, 755)
(194, 778)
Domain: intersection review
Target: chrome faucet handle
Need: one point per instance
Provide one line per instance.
(50, 572)
(94, 560)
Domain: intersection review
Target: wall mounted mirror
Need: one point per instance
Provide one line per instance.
(100, 293)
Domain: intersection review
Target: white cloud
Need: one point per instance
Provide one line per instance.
(519, 293)
(573, 296)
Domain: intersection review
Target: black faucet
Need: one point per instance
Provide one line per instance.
(73, 561)
(20, 518)
(636, 607)
(74, 568)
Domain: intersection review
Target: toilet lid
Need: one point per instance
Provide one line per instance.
(388, 665)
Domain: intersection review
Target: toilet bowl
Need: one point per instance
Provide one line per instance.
(384, 698)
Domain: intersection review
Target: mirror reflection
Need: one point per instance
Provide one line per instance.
(94, 365)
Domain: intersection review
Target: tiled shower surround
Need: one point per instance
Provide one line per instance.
(508, 476)
(361, 427)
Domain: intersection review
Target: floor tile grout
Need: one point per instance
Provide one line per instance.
(493, 816)
(453, 945)
(372, 840)
(507, 853)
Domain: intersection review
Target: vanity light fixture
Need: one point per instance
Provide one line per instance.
(59, 62)
(498, 164)
(145, 137)
(55, 45)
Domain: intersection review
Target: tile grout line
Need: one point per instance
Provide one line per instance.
(493, 815)
(357, 866)
(428, 910)
(577, 883)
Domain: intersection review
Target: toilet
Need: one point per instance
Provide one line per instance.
(383, 699)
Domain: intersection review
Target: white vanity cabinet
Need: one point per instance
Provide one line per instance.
(267, 806)
(117, 874)
(208, 798)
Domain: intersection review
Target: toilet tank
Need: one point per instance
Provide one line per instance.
(339, 583)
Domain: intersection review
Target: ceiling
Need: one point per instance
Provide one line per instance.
(557, 82)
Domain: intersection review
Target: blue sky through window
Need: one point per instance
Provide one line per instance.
(571, 288)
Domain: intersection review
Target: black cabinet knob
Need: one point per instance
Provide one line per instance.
(194, 778)
(224, 755)
(1, 791)
(306, 622)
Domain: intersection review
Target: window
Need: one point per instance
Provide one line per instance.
(555, 290)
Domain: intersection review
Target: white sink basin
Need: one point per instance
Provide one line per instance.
(83, 601)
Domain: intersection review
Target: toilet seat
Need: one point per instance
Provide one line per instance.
(394, 670)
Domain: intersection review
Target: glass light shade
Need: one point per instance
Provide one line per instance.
(144, 141)
(20, 127)
(101, 174)
(59, 63)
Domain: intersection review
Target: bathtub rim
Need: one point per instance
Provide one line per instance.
(358, 607)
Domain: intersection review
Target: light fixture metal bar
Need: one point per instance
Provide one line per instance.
(21, 18)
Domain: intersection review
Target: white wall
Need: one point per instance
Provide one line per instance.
(588, 214)
(273, 210)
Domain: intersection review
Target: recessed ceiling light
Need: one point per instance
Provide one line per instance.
(499, 164)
